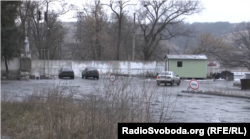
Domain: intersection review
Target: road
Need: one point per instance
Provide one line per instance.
(182, 107)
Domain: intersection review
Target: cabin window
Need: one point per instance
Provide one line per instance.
(179, 63)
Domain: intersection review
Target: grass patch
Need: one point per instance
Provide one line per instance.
(14, 116)
(54, 113)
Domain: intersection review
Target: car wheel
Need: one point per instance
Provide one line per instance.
(97, 78)
(82, 76)
(158, 84)
(72, 77)
(165, 84)
(86, 77)
(172, 82)
(179, 83)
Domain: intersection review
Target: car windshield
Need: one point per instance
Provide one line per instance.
(66, 69)
(165, 73)
(91, 68)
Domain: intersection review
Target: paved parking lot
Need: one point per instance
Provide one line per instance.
(186, 108)
(27, 86)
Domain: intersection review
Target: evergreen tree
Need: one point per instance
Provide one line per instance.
(10, 32)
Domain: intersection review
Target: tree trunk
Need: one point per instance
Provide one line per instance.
(146, 53)
(146, 56)
(100, 51)
(6, 65)
(119, 40)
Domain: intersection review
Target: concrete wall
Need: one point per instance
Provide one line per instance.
(49, 67)
(52, 67)
(13, 65)
(239, 75)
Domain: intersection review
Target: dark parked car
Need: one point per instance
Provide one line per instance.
(66, 72)
(90, 72)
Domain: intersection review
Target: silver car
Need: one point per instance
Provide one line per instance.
(168, 77)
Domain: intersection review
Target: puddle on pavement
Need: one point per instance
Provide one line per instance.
(168, 119)
(178, 111)
(94, 83)
(220, 109)
(246, 108)
(154, 104)
(157, 101)
(178, 95)
(204, 97)
(27, 90)
(224, 121)
(68, 86)
(224, 110)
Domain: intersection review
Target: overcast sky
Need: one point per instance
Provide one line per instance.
(233, 11)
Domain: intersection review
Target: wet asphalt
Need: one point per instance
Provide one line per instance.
(181, 107)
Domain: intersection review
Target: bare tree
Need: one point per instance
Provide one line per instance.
(240, 54)
(92, 32)
(28, 18)
(162, 20)
(117, 8)
(213, 47)
(47, 32)
(127, 33)
(127, 30)
(24, 12)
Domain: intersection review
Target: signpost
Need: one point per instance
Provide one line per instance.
(194, 84)
(112, 77)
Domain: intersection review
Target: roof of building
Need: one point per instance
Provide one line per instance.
(186, 56)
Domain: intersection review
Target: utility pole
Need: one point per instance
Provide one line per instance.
(80, 27)
(47, 31)
(133, 53)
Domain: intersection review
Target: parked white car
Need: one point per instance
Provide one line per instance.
(168, 77)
